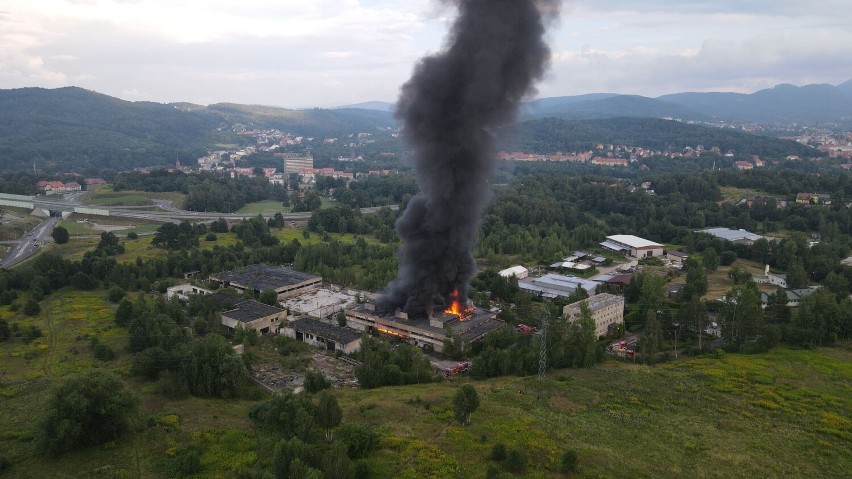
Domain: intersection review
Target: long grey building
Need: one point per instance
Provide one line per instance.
(255, 278)
(556, 285)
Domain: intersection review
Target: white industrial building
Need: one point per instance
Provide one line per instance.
(633, 245)
(517, 271)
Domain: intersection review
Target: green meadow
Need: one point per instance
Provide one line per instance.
(785, 413)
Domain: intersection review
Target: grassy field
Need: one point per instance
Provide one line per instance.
(782, 414)
(89, 222)
(733, 194)
(718, 282)
(141, 247)
(107, 197)
(786, 413)
(268, 207)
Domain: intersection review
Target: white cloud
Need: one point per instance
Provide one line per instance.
(326, 52)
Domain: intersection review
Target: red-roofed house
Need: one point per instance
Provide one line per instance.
(73, 186)
(94, 182)
(743, 165)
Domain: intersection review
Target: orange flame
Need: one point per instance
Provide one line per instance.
(456, 307)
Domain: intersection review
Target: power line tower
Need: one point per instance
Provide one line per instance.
(542, 352)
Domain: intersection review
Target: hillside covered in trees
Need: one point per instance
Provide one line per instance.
(549, 135)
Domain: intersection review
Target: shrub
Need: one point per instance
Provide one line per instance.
(568, 464)
(211, 236)
(86, 410)
(31, 333)
(498, 452)
(132, 235)
(115, 294)
(5, 331)
(31, 307)
(359, 439)
(315, 382)
(516, 461)
(60, 235)
(101, 351)
(6, 297)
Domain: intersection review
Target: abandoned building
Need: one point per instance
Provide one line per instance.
(324, 335)
(253, 315)
(427, 332)
(256, 278)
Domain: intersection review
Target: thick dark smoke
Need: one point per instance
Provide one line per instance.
(448, 109)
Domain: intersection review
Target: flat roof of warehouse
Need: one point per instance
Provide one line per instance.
(325, 330)
(634, 241)
(263, 276)
(251, 310)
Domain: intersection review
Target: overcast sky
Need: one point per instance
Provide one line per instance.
(303, 53)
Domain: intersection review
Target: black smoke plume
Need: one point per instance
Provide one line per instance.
(449, 109)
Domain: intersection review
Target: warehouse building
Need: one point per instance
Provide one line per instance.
(633, 246)
(426, 332)
(734, 236)
(517, 271)
(556, 285)
(260, 277)
(253, 315)
(323, 335)
(607, 311)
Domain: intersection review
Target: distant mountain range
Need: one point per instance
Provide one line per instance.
(72, 129)
(781, 104)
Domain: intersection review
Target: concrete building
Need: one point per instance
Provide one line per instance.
(734, 236)
(426, 332)
(607, 311)
(183, 291)
(323, 335)
(260, 277)
(677, 257)
(794, 296)
(633, 245)
(517, 271)
(253, 315)
(772, 278)
(295, 164)
(556, 285)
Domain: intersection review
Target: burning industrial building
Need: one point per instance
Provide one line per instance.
(449, 110)
(428, 332)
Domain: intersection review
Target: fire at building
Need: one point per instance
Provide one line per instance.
(428, 331)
